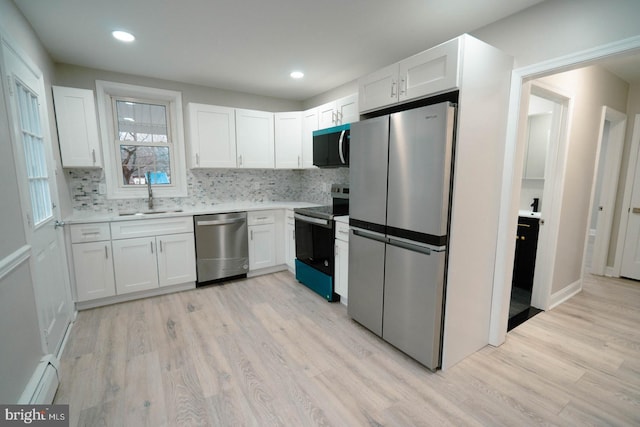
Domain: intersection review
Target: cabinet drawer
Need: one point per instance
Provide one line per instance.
(151, 227)
(90, 232)
(290, 218)
(342, 231)
(261, 217)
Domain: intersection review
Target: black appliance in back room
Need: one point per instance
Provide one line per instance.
(315, 231)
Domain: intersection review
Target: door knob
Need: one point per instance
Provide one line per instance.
(58, 224)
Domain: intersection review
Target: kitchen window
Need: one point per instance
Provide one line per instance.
(143, 129)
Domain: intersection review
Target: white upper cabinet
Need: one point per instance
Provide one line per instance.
(255, 139)
(309, 124)
(427, 73)
(338, 112)
(77, 127)
(211, 136)
(288, 140)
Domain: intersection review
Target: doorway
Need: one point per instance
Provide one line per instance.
(544, 138)
(512, 174)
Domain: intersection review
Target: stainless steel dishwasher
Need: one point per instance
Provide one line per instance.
(222, 247)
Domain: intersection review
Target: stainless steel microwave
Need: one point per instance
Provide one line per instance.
(331, 146)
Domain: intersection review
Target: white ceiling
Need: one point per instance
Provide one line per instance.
(252, 45)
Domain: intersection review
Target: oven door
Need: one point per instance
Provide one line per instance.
(314, 242)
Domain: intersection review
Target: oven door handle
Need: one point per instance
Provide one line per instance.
(317, 221)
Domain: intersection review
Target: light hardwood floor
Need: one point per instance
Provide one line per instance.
(267, 351)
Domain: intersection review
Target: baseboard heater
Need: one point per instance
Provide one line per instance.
(43, 384)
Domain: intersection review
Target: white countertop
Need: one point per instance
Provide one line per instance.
(342, 218)
(88, 217)
(529, 214)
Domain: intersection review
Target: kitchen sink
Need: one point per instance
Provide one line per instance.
(149, 212)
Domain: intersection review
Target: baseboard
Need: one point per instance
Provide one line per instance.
(267, 270)
(565, 293)
(610, 272)
(42, 386)
(83, 305)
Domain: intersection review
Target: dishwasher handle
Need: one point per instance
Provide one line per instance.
(220, 222)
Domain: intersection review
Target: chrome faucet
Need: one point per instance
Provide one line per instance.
(148, 174)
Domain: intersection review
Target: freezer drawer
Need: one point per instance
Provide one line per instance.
(413, 303)
(366, 281)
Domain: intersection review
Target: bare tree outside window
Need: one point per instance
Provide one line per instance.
(144, 142)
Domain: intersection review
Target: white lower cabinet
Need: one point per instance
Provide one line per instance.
(92, 261)
(135, 264)
(176, 255)
(262, 239)
(290, 240)
(341, 262)
(93, 267)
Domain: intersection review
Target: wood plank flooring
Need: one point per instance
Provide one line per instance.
(267, 351)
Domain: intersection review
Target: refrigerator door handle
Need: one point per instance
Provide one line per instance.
(414, 246)
(369, 235)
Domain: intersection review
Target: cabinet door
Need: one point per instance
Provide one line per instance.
(135, 264)
(378, 89)
(327, 115)
(290, 240)
(309, 124)
(429, 72)
(211, 136)
(288, 140)
(347, 109)
(255, 139)
(262, 246)
(77, 127)
(341, 269)
(176, 259)
(93, 268)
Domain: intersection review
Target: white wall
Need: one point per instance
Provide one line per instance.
(559, 27)
(20, 345)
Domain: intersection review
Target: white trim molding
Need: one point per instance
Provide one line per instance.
(564, 294)
(14, 260)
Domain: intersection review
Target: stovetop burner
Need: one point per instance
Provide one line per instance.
(324, 212)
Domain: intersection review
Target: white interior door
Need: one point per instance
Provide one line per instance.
(38, 192)
(631, 251)
(610, 144)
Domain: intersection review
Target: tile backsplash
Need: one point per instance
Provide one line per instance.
(207, 187)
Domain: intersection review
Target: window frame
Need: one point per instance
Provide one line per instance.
(116, 189)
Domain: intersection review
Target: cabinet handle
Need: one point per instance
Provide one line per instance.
(333, 117)
(294, 234)
(251, 234)
(93, 154)
(240, 160)
(339, 117)
(151, 246)
(160, 245)
(393, 89)
(106, 252)
(403, 87)
(299, 162)
(197, 159)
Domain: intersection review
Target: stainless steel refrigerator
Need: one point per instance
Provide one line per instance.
(400, 185)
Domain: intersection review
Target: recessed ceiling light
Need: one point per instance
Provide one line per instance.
(297, 74)
(123, 36)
